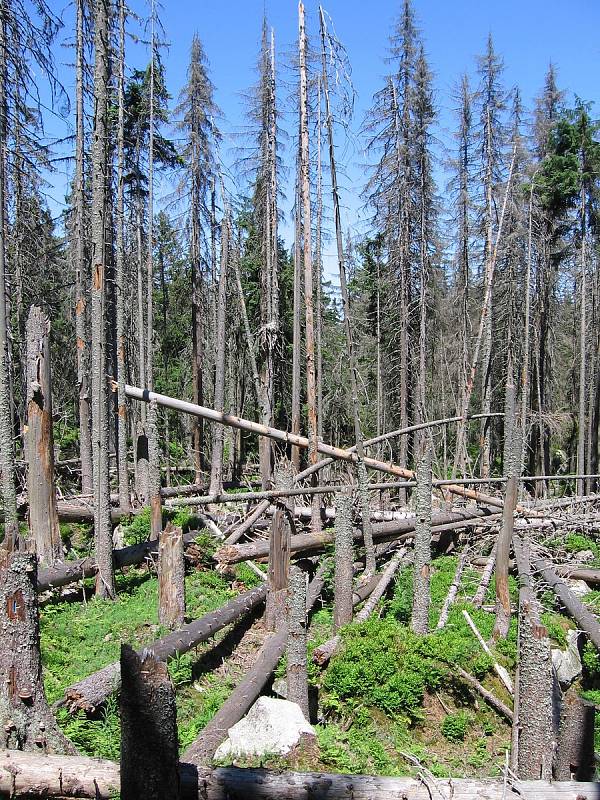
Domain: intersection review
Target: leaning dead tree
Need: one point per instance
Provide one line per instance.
(39, 442)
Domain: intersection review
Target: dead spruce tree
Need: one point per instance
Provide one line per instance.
(279, 551)
(171, 577)
(344, 557)
(39, 442)
(105, 580)
(149, 751)
(26, 720)
(422, 563)
(297, 677)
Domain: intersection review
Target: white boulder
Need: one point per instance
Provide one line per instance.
(272, 726)
(567, 663)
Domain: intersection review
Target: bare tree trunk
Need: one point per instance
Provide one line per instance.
(26, 720)
(105, 581)
(297, 677)
(574, 759)
(582, 352)
(279, 553)
(453, 590)
(319, 272)
(297, 332)
(171, 578)
(344, 557)
(122, 467)
(216, 473)
(311, 395)
(149, 750)
(354, 375)
(85, 442)
(422, 566)
(44, 529)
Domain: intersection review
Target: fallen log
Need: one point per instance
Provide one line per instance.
(91, 692)
(296, 440)
(489, 698)
(246, 692)
(70, 571)
(314, 542)
(576, 572)
(33, 775)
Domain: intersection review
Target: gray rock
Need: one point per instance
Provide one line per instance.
(584, 556)
(579, 588)
(271, 727)
(280, 688)
(567, 663)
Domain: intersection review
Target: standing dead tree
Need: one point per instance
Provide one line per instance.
(297, 678)
(39, 442)
(279, 554)
(26, 720)
(171, 578)
(149, 751)
(344, 557)
(421, 593)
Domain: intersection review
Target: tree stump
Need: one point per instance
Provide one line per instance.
(575, 748)
(297, 678)
(279, 551)
(171, 578)
(26, 719)
(344, 558)
(149, 751)
(422, 570)
(39, 442)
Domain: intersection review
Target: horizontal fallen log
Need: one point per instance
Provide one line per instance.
(33, 775)
(314, 542)
(575, 572)
(71, 571)
(89, 693)
(489, 698)
(201, 750)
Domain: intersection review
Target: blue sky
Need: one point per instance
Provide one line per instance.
(527, 33)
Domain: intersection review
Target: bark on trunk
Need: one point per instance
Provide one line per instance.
(422, 563)
(574, 757)
(149, 752)
(297, 677)
(25, 717)
(44, 530)
(344, 558)
(453, 590)
(171, 578)
(279, 555)
(216, 471)
(28, 774)
(91, 692)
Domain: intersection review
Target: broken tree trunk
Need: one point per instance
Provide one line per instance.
(26, 720)
(297, 677)
(149, 752)
(504, 541)
(44, 529)
(243, 696)
(533, 731)
(453, 590)
(171, 578)
(574, 757)
(422, 547)
(489, 698)
(279, 554)
(386, 531)
(28, 774)
(344, 558)
(486, 577)
(325, 652)
(288, 438)
(91, 692)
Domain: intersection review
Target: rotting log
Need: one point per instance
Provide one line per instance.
(453, 590)
(385, 531)
(31, 775)
(576, 572)
(286, 437)
(489, 698)
(149, 751)
(39, 441)
(70, 571)
(586, 620)
(91, 692)
(249, 688)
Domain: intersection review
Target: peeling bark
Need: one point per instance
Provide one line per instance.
(297, 678)
(422, 563)
(344, 557)
(171, 578)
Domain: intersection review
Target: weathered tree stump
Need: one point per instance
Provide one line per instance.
(279, 551)
(344, 558)
(171, 578)
(297, 678)
(149, 752)
(44, 529)
(575, 749)
(422, 570)
(26, 720)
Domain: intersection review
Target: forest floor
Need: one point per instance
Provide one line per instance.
(389, 701)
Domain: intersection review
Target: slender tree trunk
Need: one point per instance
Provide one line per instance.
(279, 553)
(105, 585)
(354, 375)
(85, 442)
(216, 473)
(44, 529)
(297, 677)
(311, 389)
(122, 467)
(422, 567)
(319, 272)
(197, 314)
(582, 352)
(171, 578)
(344, 557)
(297, 332)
